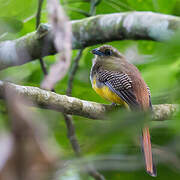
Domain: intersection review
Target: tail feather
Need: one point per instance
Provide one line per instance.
(146, 145)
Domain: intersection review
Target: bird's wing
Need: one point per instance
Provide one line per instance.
(121, 84)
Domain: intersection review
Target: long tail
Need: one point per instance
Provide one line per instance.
(146, 145)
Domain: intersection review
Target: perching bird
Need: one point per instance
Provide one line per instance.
(120, 82)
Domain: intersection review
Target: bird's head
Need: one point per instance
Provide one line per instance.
(107, 55)
(106, 51)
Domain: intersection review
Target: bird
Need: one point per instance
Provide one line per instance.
(120, 82)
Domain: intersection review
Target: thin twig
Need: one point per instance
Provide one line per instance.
(76, 147)
(38, 14)
(73, 72)
(43, 67)
(71, 134)
(93, 7)
(97, 2)
(68, 118)
(38, 20)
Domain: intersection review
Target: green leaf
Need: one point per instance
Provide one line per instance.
(11, 25)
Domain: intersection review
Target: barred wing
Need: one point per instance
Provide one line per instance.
(121, 84)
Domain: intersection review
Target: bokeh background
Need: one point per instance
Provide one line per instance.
(112, 145)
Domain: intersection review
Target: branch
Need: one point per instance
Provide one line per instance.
(90, 31)
(74, 106)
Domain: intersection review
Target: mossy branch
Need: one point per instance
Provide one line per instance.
(90, 31)
(74, 106)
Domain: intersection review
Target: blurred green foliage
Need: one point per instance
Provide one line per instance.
(119, 136)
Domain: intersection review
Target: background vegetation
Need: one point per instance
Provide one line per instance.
(114, 143)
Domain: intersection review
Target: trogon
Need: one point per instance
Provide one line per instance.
(119, 81)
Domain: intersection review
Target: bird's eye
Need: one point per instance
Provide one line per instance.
(108, 52)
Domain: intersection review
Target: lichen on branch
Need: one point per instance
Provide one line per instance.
(74, 106)
(90, 31)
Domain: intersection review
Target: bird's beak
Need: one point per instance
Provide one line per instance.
(97, 52)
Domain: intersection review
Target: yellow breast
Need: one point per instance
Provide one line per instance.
(106, 93)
